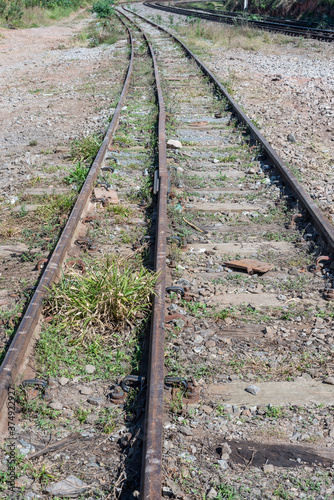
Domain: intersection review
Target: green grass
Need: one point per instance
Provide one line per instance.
(85, 148)
(110, 294)
(103, 8)
(56, 206)
(121, 211)
(32, 13)
(77, 175)
(57, 358)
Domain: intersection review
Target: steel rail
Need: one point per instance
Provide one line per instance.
(315, 33)
(13, 363)
(151, 474)
(320, 222)
(281, 20)
(151, 477)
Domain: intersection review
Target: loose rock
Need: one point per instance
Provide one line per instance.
(252, 389)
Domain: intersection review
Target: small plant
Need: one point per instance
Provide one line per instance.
(32, 143)
(86, 148)
(176, 404)
(82, 415)
(197, 309)
(221, 177)
(222, 314)
(274, 412)
(226, 492)
(77, 175)
(107, 420)
(56, 206)
(36, 408)
(220, 410)
(23, 211)
(120, 210)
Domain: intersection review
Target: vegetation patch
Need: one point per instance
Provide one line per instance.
(77, 175)
(31, 13)
(113, 292)
(103, 8)
(86, 148)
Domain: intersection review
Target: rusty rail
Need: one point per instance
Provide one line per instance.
(230, 18)
(151, 477)
(13, 363)
(152, 454)
(323, 226)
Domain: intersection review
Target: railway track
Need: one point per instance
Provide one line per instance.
(240, 297)
(286, 21)
(286, 27)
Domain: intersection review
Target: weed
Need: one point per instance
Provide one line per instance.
(110, 293)
(131, 400)
(56, 357)
(220, 410)
(176, 404)
(82, 415)
(274, 412)
(35, 180)
(86, 148)
(32, 143)
(23, 211)
(77, 175)
(197, 309)
(120, 210)
(107, 420)
(224, 491)
(222, 314)
(221, 177)
(35, 408)
(229, 159)
(281, 492)
(56, 206)
(123, 140)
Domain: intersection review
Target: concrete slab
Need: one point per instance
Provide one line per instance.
(225, 207)
(26, 208)
(110, 195)
(242, 248)
(13, 248)
(275, 393)
(254, 299)
(237, 192)
(46, 190)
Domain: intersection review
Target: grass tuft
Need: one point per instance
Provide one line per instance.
(77, 175)
(108, 295)
(86, 148)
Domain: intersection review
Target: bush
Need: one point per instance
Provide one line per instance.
(103, 8)
(13, 11)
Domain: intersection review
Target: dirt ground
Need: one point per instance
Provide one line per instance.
(55, 86)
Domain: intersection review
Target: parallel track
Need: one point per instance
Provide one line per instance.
(13, 363)
(311, 211)
(275, 26)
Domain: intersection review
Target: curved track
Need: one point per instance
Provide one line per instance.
(275, 26)
(185, 197)
(213, 200)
